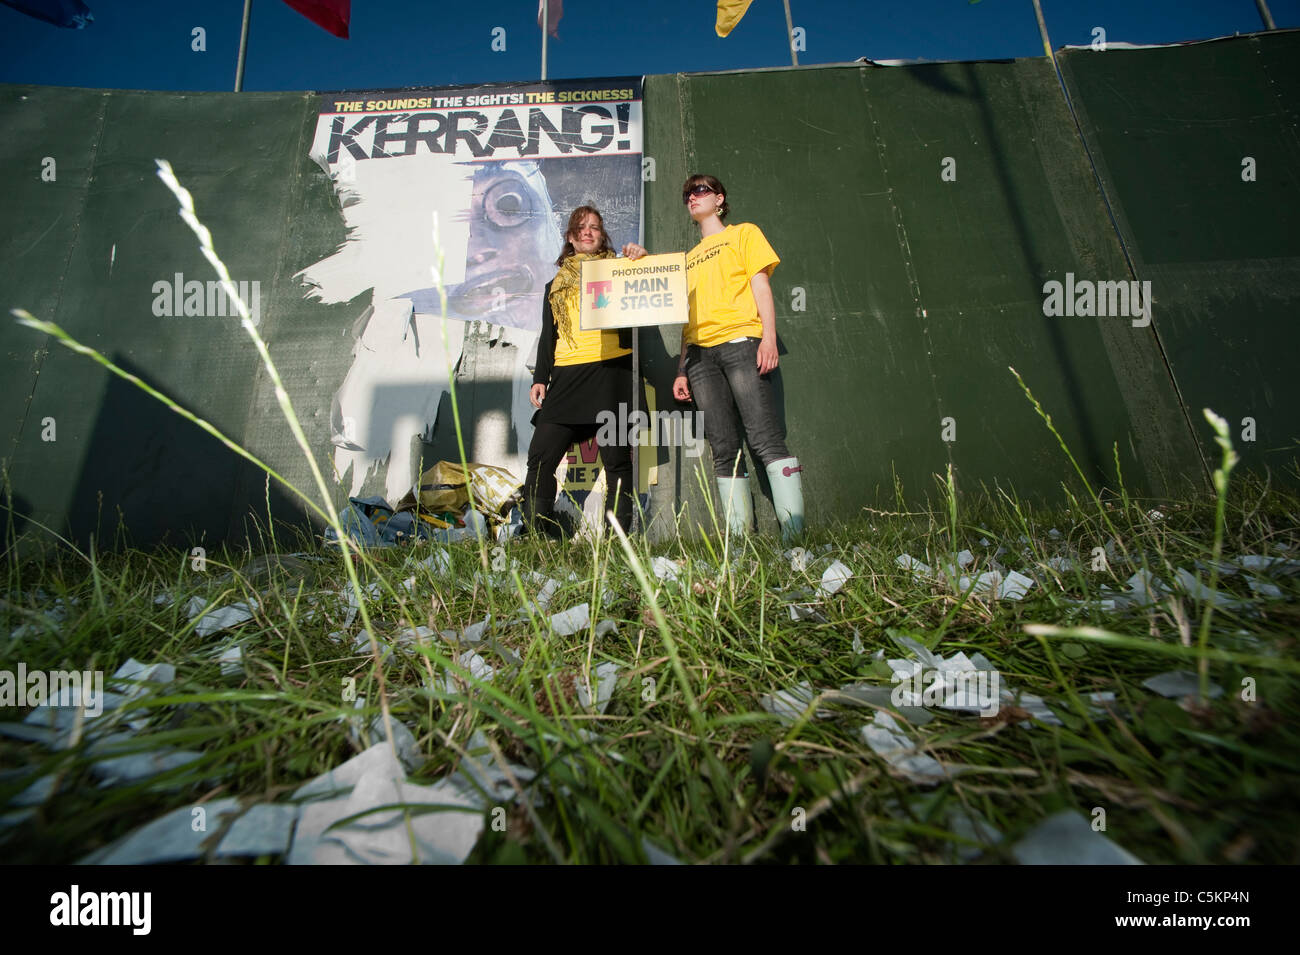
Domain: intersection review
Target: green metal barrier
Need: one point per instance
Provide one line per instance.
(918, 211)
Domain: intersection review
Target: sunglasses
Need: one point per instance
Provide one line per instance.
(700, 190)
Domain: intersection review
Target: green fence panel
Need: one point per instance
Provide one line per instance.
(919, 213)
(1197, 147)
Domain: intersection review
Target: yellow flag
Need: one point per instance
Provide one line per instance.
(729, 14)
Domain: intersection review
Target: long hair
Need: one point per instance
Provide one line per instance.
(713, 183)
(575, 221)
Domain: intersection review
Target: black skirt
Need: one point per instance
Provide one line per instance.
(578, 394)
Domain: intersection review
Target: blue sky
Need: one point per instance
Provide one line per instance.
(146, 44)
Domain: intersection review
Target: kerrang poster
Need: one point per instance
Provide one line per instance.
(470, 189)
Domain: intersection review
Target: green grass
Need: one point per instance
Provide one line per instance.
(681, 760)
(684, 755)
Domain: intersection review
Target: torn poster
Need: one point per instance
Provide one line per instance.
(464, 191)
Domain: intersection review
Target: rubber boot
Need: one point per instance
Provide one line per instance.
(737, 504)
(787, 496)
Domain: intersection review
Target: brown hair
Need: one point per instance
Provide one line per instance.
(714, 183)
(575, 223)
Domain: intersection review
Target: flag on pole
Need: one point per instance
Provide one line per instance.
(553, 15)
(729, 14)
(330, 15)
(62, 13)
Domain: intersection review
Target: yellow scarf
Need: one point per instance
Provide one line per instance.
(565, 293)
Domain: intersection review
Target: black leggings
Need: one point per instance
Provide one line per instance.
(551, 442)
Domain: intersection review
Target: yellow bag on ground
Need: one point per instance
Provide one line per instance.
(444, 488)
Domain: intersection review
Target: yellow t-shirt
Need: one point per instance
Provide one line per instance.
(579, 347)
(718, 271)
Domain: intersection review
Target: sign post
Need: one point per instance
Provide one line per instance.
(618, 293)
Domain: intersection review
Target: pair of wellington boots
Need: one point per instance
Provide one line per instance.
(787, 499)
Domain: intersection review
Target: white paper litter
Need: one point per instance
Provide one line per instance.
(801, 611)
(1014, 586)
(130, 681)
(987, 585)
(31, 732)
(368, 781)
(967, 823)
(49, 618)
(1067, 838)
(373, 591)
(606, 678)
(119, 770)
(955, 683)
(438, 563)
(1265, 589)
(1144, 588)
(888, 741)
(408, 752)
(656, 856)
(928, 659)
(218, 618)
(482, 779)
(1195, 589)
(170, 838)
(1011, 586)
(9, 820)
(36, 793)
(478, 668)
(264, 830)
(473, 634)
(970, 824)
(918, 569)
(664, 568)
(231, 659)
(878, 697)
(833, 579)
(1037, 707)
(1272, 565)
(411, 638)
(568, 622)
(547, 586)
(961, 693)
(1179, 683)
(788, 705)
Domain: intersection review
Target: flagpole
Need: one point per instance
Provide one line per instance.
(789, 33)
(243, 47)
(1042, 30)
(546, 24)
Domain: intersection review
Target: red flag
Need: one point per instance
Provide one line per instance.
(330, 15)
(556, 11)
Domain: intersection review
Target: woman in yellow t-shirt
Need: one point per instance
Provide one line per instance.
(579, 375)
(728, 351)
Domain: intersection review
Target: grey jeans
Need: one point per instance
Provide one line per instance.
(732, 395)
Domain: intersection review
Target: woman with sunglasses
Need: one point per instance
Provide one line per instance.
(728, 351)
(579, 374)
